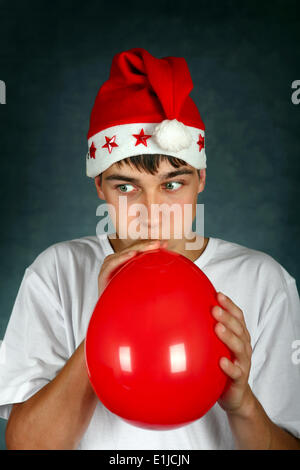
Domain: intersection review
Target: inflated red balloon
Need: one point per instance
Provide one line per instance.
(151, 350)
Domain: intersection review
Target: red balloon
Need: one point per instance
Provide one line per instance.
(151, 351)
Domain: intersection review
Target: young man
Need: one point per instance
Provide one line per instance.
(146, 147)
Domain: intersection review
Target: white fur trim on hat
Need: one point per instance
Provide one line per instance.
(169, 137)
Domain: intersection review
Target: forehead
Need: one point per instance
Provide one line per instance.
(164, 170)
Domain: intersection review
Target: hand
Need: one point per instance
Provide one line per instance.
(237, 397)
(112, 262)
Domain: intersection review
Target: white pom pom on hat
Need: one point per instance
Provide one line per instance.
(172, 135)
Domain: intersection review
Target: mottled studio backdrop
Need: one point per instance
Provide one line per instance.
(243, 56)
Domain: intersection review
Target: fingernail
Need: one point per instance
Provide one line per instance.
(221, 296)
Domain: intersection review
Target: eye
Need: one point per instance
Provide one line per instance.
(169, 185)
(121, 187)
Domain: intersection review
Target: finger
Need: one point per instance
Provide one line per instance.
(164, 243)
(227, 304)
(234, 343)
(249, 349)
(151, 246)
(229, 321)
(143, 246)
(113, 261)
(234, 325)
(231, 369)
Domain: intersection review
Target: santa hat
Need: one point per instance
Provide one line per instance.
(144, 108)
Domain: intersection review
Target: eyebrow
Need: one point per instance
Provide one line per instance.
(170, 174)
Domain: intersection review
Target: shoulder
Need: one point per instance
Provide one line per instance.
(256, 282)
(68, 254)
(254, 263)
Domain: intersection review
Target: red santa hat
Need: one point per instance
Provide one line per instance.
(144, 108)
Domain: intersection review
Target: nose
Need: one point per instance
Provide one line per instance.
(152, 218)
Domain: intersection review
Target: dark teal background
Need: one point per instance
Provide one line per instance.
(243, 57)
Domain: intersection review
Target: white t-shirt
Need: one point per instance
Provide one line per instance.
(56, 299)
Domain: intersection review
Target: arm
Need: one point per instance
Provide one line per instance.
(253, 429)
(250, 425)
(57, 415)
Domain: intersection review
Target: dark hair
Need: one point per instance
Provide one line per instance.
(150, 165)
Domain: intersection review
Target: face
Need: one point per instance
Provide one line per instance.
(151, 206)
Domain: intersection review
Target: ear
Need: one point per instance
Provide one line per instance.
(202, 180)
(98, 188)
